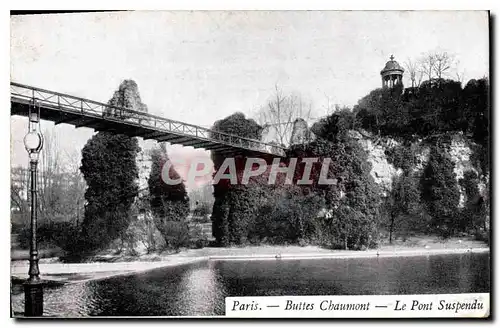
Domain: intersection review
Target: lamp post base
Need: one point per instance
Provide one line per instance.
(33, 299)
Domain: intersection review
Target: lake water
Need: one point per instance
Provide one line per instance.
(200, 289)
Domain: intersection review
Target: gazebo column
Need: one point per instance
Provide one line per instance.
(392, 74)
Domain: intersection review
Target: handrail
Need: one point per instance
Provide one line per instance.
(127, 113)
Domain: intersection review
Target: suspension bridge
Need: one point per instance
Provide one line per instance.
(80, 112)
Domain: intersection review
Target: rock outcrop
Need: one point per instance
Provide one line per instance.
(300, 133)
(383, 171)
(128, 96)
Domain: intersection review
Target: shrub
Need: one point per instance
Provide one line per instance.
(176, 234)
(402, 156)
(483, 236)
(50, 234)
(199, 243)
(167, 202)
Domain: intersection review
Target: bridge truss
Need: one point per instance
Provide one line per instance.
(80, 112)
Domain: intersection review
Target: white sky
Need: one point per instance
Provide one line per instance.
(198, 67)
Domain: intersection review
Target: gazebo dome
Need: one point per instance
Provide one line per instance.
(392, 65)
(392, 74)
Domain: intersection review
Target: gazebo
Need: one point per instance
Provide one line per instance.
(392, 74)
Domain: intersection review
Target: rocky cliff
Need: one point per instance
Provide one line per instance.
(383, 171)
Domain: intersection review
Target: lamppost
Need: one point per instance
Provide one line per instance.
(33, 287)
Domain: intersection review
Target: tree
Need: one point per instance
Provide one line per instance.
(442, 64)
(426, 64)
(459, 73)
(436, 106)
(234, 205)
(436, 64)
(286, 214)
(361, 195)
(477, 105)
(416, 73)
(169, 202)
(354, 200)
(60, 193)
(110, 171)
(19, 189)
(477, 121)
(51, 178)
(143, 229)
(383, 112)
(474, 211)
(402, 156)
(75, 195)
(404, 206)
(440, 191)
(281, 112)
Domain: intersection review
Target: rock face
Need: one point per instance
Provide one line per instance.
(144, 164)
(300, 132)
(383, 171)
(128, 96)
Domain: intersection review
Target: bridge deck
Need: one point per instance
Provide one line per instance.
(61, 108)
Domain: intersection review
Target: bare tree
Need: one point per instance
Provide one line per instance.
(19, 189)
(460, 76)
(436, 64)
(50, 177)
(442, 63)
(426, 65)
(420, 77)
(412, 68)
(280, 113)
(330, 106)
(459, 73)
(76, 186)
(61, 184)
(416, 71)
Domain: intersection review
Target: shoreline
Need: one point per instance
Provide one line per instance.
(68, 273)
(354, 254)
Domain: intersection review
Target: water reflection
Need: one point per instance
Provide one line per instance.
(200, 289)
(211, 300)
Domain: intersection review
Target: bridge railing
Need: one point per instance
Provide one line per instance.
(41, 97)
